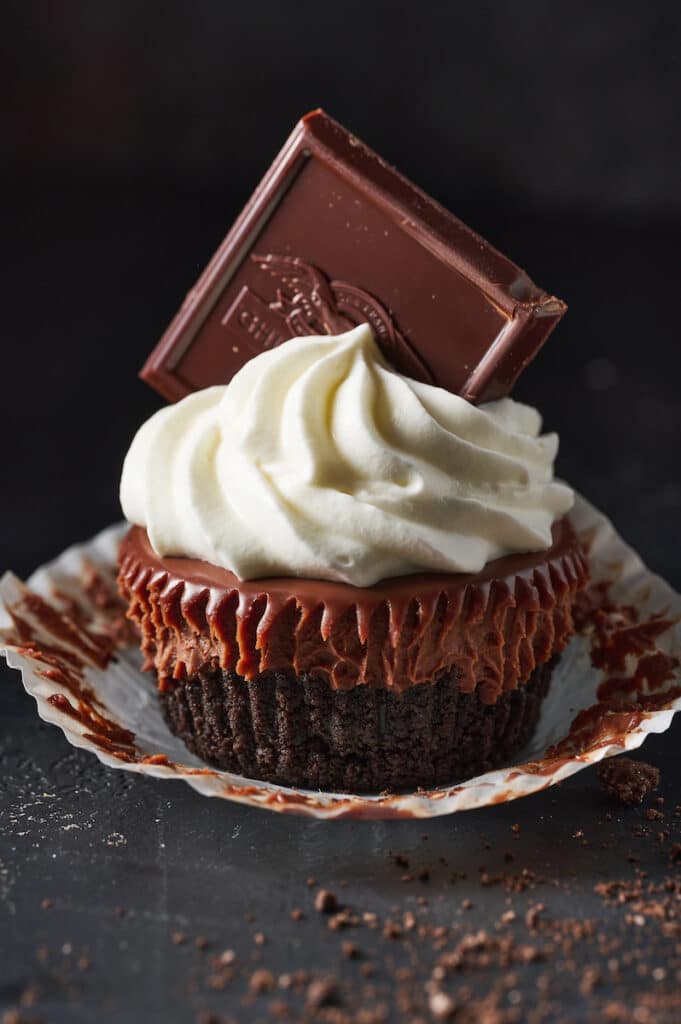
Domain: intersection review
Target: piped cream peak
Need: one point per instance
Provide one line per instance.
(319, 460)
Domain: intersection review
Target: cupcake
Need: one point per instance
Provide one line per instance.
(345, 578)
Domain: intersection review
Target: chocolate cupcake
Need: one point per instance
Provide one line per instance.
(344, 578)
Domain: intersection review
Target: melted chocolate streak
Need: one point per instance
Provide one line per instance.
(81, 634)
(90, 631)
(621, 643)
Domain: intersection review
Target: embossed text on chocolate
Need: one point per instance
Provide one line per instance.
(252, 325)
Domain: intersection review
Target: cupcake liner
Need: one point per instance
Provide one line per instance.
(299, 732)
(618, 680)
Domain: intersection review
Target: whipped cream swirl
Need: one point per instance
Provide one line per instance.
(318, 460)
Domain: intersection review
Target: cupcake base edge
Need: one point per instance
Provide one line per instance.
(298, 731)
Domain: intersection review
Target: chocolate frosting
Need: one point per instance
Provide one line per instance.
(494, 627)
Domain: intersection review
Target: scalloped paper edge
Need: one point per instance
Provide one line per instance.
(610, 559)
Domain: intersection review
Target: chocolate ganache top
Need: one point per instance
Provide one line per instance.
(495, 626)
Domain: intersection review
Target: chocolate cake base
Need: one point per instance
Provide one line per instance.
(297, 731)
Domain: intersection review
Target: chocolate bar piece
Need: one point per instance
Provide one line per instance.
(332, 237)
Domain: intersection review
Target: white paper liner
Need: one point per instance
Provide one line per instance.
(126, 694)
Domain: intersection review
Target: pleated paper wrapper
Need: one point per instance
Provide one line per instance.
(618, 680)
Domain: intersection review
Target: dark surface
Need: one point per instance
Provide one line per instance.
(540, 106)
(93, 840)
(550, 129)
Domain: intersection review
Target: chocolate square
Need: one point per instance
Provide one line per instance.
(333, 236)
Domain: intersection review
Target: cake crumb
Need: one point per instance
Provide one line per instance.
(322, 992)
(261, 981)
(441, 1005)
(627, 780)
(325, 902)
(225, 959)
(532, 916)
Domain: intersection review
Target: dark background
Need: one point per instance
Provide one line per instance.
(131, 135)
(134, 132)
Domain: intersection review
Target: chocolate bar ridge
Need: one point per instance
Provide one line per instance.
(505, 318)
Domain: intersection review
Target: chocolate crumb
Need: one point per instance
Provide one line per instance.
(296, 914)
(294, 982)
(219, 980)
(627, 780)
(30, 995)
(224, 959)
(343, 919)
(591, 977)
(325, 902)
(178, 938)
(259, 939)
(441, 1006)
(201, 942)
(322, 992)
(532, 916)
(261, 981)
(392, 930)
(351, 950)
(46, 903)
